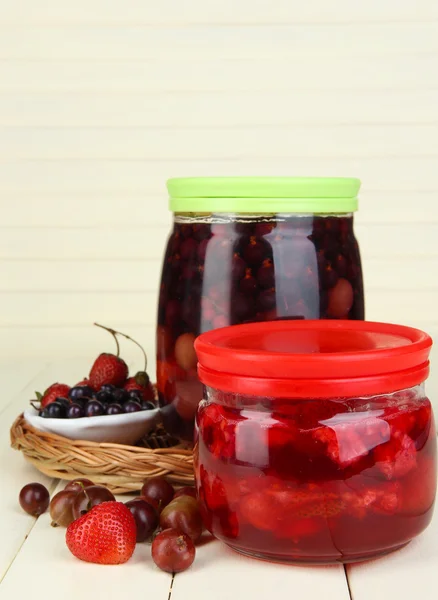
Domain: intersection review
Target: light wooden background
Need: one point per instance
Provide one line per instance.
(102, 100)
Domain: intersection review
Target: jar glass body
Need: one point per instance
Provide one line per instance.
(227, 269)
(320, 481)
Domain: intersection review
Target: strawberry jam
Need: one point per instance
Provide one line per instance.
(301, 477)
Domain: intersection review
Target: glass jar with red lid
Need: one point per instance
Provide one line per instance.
(244, 250)
(315, 441)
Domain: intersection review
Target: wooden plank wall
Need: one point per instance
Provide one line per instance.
(102, 100)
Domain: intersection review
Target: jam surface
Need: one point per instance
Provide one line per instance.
(231, 271)
(316, 481)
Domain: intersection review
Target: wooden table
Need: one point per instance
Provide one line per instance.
(35, 562)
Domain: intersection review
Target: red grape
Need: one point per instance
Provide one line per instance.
(183, 514)
(34, 499)
(186, 491)
(77, 485)
(173, 551)
(150, 501)
(89, 497)
(158, 491)
(61, 508)
(341, 298)
(146, 518)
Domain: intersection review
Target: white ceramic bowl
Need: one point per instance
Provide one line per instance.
(117, 429)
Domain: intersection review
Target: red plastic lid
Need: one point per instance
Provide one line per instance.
(313, 359)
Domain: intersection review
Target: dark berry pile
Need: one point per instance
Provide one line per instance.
(83, 401)
(108, 390)
(224, 273)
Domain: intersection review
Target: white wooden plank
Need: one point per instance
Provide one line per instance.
(221, 574)
(318, 73)
(82, 276)
(73, 308)
(399, 273)
(15, 376)
(109, 209)
(74, 42)
(71, 342)
(31, 276)
(89, 177)
(210, 11)
(109, 243)
(216, 109)
(402, 307)
(407, 573)
(14, 471)
(401, 240)
(368, 141)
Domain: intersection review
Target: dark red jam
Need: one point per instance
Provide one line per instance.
(230, 270)
(316, 480)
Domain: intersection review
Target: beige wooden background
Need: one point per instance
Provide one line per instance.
(102, 100)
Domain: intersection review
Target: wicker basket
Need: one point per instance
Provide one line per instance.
(122, 469)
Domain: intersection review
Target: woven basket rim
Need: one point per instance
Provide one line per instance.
(120, 467)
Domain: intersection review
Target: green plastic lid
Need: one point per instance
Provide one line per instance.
(263, 194)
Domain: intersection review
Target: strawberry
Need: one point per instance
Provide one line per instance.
(108, 368)
(106, 535)
(141, 383)
(349, 440)
(217, 427)
(229, 524)
(56, 390)
(141, 380)
(419, 487)
(259, 510)
(283, 509)
(388, 499)
(400, 420)
(357, 503)
(300, 528)
(384, 500)
(397, 457)
(215, 495)
(424, 416)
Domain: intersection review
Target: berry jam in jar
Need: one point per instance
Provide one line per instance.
(244, 250)
(315, 441)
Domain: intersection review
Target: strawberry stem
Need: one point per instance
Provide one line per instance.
(113, 333)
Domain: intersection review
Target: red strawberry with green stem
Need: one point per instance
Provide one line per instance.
(141, 380)
(56, 390)
(106, 535)
(108, 368)
(141, 383)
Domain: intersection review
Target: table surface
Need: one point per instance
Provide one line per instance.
(35, 562)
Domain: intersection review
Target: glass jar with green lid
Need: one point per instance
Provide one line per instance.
(246, 249)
